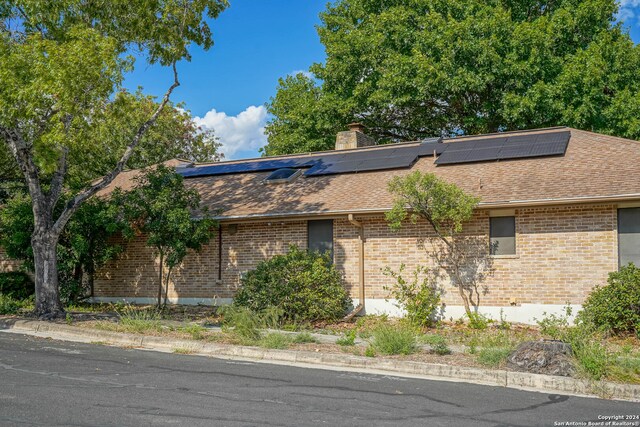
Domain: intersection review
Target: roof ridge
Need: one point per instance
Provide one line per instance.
(511, 132)
(310, 153)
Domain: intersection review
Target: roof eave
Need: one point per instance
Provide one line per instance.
(482, 205)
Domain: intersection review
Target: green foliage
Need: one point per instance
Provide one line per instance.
(84, 246)
(420, 298)
(438, 344)
(504, 324)
(11, 305)
(304, 285)
(275, 340)
(242, 322)
(348, 339)
(616, 306)
(162, 209)
(594, 360)
(394, 340)
(307, 119)
(555, 326)
(140, 320)
(418, 195)
(196, 331)
(370, 352)
(493, 356)
(445, 207)
(477, 321)
(625, 369)
(365, 325)
(62, 67)
(415, 69)
(16, 285)
(304, 338)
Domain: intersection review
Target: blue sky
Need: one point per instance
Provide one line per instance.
(256, 42)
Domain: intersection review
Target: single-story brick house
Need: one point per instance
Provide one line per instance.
(564, 208)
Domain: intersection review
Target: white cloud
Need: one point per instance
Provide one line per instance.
(241, 133)
(628, 11)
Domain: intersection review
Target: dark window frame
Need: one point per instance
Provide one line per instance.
(620, 264)
(491, 237)
(310, 223)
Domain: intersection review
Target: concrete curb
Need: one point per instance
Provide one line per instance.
(518, 380)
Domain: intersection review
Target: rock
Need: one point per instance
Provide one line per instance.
(548, 357)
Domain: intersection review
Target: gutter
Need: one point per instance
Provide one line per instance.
(360, 306)
(482, 205)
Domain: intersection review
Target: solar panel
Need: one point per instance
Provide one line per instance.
(351, 166)
(323, 163)
(507, 147)
(501, 147)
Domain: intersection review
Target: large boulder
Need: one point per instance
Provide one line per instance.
(548, 357)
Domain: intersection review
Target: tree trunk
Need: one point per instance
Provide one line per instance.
(48, 304)
(166, 289)
(161, 268)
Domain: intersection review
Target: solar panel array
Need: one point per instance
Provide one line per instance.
(400, 156)
(505, 147)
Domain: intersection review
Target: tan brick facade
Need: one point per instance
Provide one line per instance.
(562, 253)
(7, 264)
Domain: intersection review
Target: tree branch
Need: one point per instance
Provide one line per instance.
(57, 181)
(22, 154)
(74, 203)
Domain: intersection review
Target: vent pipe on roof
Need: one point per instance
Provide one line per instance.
(353, 138)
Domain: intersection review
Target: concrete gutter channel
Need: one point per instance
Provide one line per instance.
(433, 371)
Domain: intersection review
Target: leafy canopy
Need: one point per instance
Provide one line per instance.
(162, 208)
(84, 246)
(444, 205)
(421, 68)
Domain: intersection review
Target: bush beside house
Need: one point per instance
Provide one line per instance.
(305, 285)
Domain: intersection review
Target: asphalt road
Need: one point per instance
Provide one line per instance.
(54, 383)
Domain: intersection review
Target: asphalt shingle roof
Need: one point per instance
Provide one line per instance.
(594, 167)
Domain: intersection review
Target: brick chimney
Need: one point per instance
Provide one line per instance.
(353, 138)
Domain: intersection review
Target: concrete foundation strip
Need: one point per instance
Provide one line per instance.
(518, 380)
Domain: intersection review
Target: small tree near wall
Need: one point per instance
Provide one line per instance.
(161, 208)
(446, 208)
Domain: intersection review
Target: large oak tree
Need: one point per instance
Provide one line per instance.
(62, 65)
(410, 69)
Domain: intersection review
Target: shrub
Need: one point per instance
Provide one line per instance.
(137, 320)
(478, 321)
(197, 332)
(304, 338)
(394, 340)
(276, 340)
(438, 344)
(348, 339)
(420, 298)
(16, 285)
(245, 323)
(493, 356)
(305, 285)
(593, 358)
(10, 305)
(554, 325)
(616, 306)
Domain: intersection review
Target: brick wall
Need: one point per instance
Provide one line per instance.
(7, 264)
(562, 252)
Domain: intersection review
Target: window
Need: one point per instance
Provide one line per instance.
(502, 235)
(629, 236)
(282, 175)
(320, 236)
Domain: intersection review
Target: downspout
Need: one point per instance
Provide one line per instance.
(360, 306)
(219, 253)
